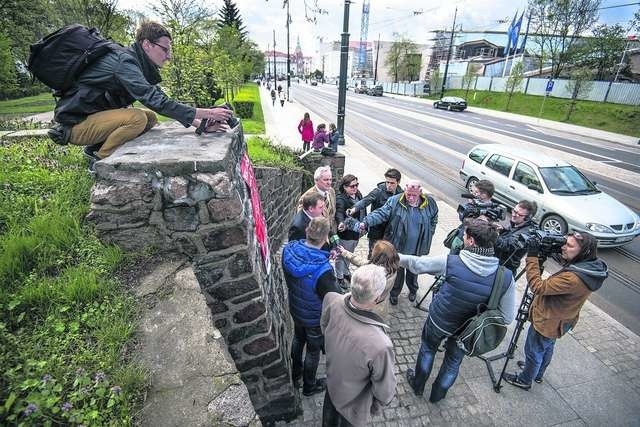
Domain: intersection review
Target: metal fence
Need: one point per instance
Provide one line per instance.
(617, 93)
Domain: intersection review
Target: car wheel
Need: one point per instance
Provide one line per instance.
(435, 105)
(554, 224)
(471, 183)
(448, 107)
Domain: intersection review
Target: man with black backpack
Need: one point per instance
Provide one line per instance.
(93, 111)
(469, 280)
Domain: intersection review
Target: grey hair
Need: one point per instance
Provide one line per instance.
(413, 183)
(367, 283)
(318, 173)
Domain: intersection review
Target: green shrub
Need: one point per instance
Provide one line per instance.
(263, 153)
(244, 109)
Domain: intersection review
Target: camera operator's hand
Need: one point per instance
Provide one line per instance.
(350, 211)
(217, 127)
(533, 248)
(341, 227)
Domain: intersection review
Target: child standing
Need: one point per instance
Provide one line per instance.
(320, 138)
(305, 127)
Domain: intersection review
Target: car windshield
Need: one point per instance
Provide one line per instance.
(567, 180)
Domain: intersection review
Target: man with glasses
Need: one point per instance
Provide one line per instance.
(94, 112)
(507, 249)
(557, 302)
(377, 198)
(411, 219)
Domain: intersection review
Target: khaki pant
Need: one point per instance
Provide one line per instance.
(112, 128)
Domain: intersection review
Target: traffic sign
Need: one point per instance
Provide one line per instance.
(549, 86)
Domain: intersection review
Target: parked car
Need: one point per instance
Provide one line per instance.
(567, 200)
(377, 90)
(451, 103)
(360, 89)
(314, 83)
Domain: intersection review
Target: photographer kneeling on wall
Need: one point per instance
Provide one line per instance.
(557, 302)
(508, 249)
(469, 279)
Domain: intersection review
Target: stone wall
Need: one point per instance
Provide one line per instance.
(315, 160)
(180, 193)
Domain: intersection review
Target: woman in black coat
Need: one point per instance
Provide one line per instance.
(348, 195)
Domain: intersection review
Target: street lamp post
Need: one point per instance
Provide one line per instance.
(288, 55)
(446, 67)
(344, 58)
(275, 72)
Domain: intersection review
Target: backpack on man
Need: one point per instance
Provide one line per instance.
(486, 330)
(58, 59)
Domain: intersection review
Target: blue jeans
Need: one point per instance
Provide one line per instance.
(538, 351)
(314, 341)
(431, 339)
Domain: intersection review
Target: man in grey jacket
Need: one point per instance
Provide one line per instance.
(93, 113)
(360, 355)
(469, 278)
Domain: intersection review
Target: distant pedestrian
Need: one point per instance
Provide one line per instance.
(305, 127)
(320, 138)
(279, 89)
(273, 97)
(333, 137)
(282, 98)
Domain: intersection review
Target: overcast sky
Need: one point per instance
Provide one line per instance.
(386, 17)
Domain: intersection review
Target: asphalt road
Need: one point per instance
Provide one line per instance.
(430, 145)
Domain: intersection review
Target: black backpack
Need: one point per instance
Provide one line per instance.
(484, 331)
(60, 57)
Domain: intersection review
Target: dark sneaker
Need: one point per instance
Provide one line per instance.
(521, 366)
(515, 381)
(90, 153)
(343, 285)
(411, 376)
(319, 387)
(393, 300)
(412, 296)
(347, 277)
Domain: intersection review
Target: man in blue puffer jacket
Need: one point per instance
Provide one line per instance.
(469, 279)
(309, 277)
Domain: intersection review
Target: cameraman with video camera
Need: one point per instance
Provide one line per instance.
(508, 249)
(480, 196)
(557, 301)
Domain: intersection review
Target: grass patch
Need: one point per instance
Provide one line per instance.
(28, 105)
(65, 322)
(263, 153)
(624, 119)
(250, 92)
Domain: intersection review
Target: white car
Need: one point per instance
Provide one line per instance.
(566, 199)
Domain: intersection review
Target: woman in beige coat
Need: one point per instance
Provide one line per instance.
(385, 255)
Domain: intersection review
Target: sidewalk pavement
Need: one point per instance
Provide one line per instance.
(594, 378)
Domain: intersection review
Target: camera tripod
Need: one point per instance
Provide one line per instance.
(521, 318)
(435, 286)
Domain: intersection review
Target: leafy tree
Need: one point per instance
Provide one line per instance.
(7, 67)
(579, 85)
(560, 24)
(435, 82)
(470, 77)
(603, 51)
(514, 81)
(229, 16)
(402, 60)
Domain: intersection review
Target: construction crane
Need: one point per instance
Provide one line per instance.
(364, 33)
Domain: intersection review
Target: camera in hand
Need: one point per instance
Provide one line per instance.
(493, 211)
(232, 121)
(549, 243)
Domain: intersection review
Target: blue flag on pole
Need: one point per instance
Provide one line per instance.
(515, 31)
(509, 32)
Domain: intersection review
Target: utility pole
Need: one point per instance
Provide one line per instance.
(375, 70)
(275, 73)
(344, 58)
(268, 63)
(446, 67)
(288, 55)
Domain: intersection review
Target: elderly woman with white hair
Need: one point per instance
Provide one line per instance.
(360, 355)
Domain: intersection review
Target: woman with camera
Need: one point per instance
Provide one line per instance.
(557, 302)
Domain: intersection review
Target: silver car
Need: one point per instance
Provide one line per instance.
(566, 199)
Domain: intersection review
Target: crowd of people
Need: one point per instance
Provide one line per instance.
(345, 314)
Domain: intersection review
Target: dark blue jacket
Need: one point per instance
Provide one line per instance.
(303, 266)
(459, 296)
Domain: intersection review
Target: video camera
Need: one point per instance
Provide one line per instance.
(493, 211)
(549, 243)
(231, 121)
